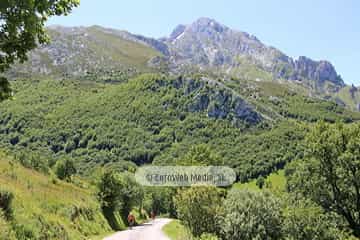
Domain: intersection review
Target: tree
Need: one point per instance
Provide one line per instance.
(108, 191)
(330, 172)
(197, 208)
(5, 90)
(200, 155)
(22, 27)
(64, 169)
(303, 220)
(130, 195)
(260, 181)
(160, 200)
(250, 215)
(6, 199)
(118, 192)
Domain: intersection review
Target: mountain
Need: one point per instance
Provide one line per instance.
(76, 51)
(207, 44)
(112, 100)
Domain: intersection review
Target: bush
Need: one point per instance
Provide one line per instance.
(329, 172)
(197, 208)
(23, 233)
(6, 198)
(207, 236)
(250, 215)
(64, 169)
(6, 232)
(305, 220)
(118, 192)
(33, 161)
(260, 182)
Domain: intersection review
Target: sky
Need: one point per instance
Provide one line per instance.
(319, 29)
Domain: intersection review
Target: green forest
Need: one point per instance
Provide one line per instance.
(83, 108)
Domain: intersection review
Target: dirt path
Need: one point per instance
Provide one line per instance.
(146, 231)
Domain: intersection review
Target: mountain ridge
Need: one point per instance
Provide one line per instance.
(206, 42)
(204, 46)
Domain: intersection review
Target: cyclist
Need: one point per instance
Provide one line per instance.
(131, 220)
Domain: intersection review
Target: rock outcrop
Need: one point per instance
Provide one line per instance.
(207, 43)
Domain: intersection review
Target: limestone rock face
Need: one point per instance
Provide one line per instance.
(206, 43)
(217, 102)
(317, 70)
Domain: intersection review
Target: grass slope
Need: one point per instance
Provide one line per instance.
(79, 50)
(49, 209)
(276, 182)
(176, 231)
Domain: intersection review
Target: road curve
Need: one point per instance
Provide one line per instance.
(147, 231)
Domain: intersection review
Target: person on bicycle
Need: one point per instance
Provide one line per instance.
(152, 215)
(131, 220)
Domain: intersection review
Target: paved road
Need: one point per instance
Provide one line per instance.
(147, 231)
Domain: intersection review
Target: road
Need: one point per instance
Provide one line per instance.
(146, 231)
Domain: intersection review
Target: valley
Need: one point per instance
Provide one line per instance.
(93, 105)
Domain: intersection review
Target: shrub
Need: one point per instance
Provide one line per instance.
(6, 232)
(197, 208)
(6, 198)
(305, 220)
(23, 232)
(329, 172)
(33, 161)
(64, 169)
(250, 215)
(118, 192)
(207, 236)
(260, 182)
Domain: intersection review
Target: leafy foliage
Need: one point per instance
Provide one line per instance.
(22, 29)
(118, 192)
(250, 215)
(6, 231)
(159, 200)
(64, 169)
(197, 208)
(302, 220)
(142, 120)
(6, 199)
(23, 26)
(329, 174)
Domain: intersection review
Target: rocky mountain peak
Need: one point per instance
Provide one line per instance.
(207, 24)
(319, 71)
(206, 43)
(177, 31)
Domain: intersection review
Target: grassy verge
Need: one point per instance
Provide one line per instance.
(47, 208)
(275, 182)
(176, 231)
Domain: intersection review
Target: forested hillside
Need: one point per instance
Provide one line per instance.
(155, 119)
(95, 104)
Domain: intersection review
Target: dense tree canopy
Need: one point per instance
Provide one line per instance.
(330, 173)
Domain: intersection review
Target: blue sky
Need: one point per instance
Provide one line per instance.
(319, 29)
